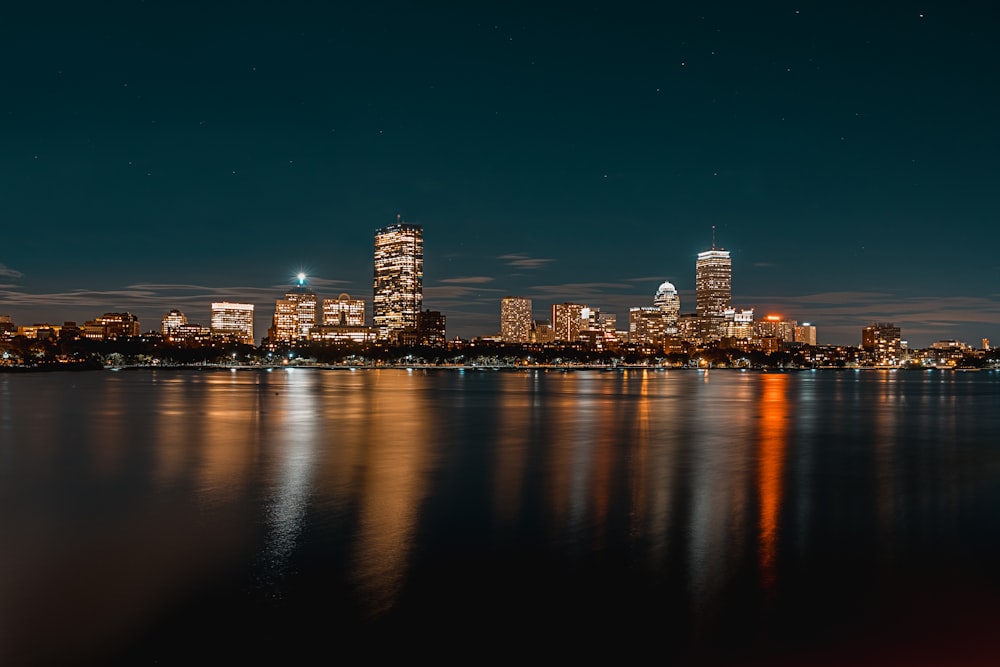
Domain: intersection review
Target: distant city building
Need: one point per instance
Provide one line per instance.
(171, 322)
(882, 343)
(41, 331)
(399, 279)
(805, 333)
(515, 319)
(7, 327)
(669, 302)
(648, 326)
(233, 321)
(738, 324)
(567, 321)
(775, 326)
(713, 281)
(295, 315)
(119, 325)
(431, 328)
(986, 344)
(542, 333)
(343, 311)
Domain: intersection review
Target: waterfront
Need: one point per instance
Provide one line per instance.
(837, 517)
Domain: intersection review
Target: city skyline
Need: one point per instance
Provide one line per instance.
(398, 263)
(159, 156)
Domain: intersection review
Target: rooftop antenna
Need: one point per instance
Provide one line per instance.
(713, 237)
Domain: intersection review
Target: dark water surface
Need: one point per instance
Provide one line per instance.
(832, 517)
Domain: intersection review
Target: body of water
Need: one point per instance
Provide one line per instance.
(725, 517)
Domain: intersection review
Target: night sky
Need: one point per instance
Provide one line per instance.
(164, 154)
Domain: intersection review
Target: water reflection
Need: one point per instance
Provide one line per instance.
(772, 429)
(391, 486)
(703, 508)
(295, 413)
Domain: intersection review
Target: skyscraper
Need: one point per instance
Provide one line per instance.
(567, 321)
(713, 281)
(399, 279)
(669, 303)
(515, 319)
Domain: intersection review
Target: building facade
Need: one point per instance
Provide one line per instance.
(713, 282)
(295, 315)
(233, 321)
(567, 321)
(515, 319)
(398, 283)
(882, 343)
(343, 311)
(669, 302)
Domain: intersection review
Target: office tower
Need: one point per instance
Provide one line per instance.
(882, 342)
(343, 311)
(171, 322)
(669, 302)
(399, 279)
(295, 315)
(233, 321)
(567, 321)
(713, 281)
(515, 319)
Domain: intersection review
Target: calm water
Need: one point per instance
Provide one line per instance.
(834, 517)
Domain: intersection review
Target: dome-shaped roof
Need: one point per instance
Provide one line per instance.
(666, 287)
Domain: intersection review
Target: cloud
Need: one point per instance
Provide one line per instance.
(455, 292)
(764, 265)
(577, 291)
(8, 272)
(524, 262)
(468, 280)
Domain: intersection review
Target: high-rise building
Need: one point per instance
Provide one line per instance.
(882, 343)
(669, 303)
(343, 311)
(713, 281)
(399, 279)
(567, 321)
(233, 321)
(515, 319)
(295, 315)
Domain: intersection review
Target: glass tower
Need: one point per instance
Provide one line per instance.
(399, 279)
(713, 282)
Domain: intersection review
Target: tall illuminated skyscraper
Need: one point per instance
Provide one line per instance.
(669, 303)
(713, 281)
(515, 319)
(399, 279)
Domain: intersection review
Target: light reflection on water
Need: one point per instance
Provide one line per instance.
(719, 508)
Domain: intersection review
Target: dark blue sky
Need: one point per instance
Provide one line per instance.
(164, 155)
